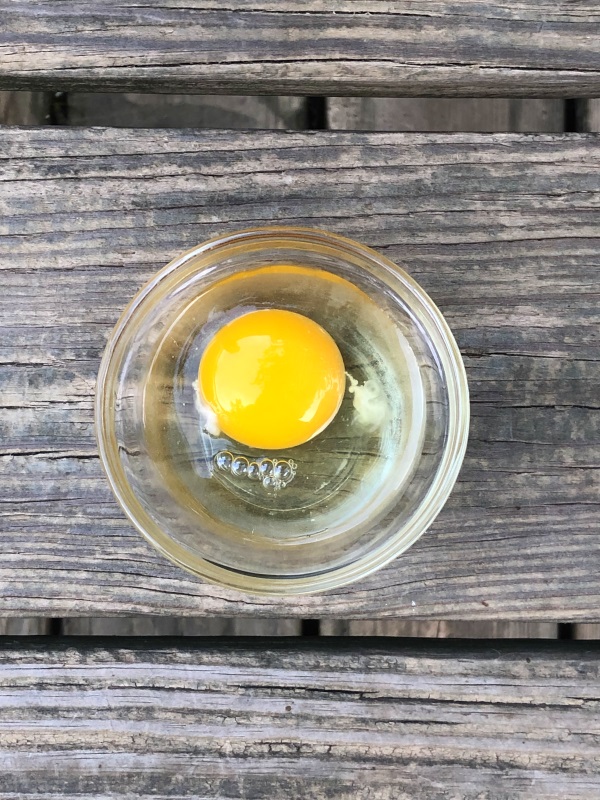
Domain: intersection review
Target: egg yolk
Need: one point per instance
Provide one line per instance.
(273, 378)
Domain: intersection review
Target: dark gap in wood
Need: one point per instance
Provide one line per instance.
(566, 630)
(310, 627)
(574, 116)
(55, 626)
(316, 113)
(59, 109)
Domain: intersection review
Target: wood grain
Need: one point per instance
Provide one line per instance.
(360, 47)
(286, 721)
(23, 108)
(501, 230)
(591, 122)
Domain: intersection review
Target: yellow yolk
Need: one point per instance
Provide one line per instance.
(273, 378)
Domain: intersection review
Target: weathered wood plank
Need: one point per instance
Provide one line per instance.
(477, 115)
(286, 721)
(587, 630)
(440, 629)
(27, 626)
(185, 111)
(502, 231)
(24, 108)
(591, 122)
(362, 47)
(593, 115)
(146, 625)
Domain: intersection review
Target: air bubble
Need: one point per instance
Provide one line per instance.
(272, 473)
(271, 483)
(266, 467)
(223, 460)
(283, 471)
(239, 466)
(253, 471)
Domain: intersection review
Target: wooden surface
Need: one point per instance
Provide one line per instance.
(591, 122)
(145, 625)
(28, 626)
(185, 111)
(363, 47)
(587, 630)
(24, 108)
(482, 114)
(501, 230)
(286, 721)
(593, 116)
(440, 629)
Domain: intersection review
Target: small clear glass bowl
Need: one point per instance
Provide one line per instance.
(363, 490)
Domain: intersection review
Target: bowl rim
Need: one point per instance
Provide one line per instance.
(427, 511)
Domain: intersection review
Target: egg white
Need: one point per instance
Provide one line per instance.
(369, 403)
(208, 418)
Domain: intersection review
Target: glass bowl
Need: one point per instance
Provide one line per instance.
(345, 503)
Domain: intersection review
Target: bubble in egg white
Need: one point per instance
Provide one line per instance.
(223, 460)
(239, 466)
(253, 471)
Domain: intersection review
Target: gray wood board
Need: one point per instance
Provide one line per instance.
(436, 114)
(587, 630)
(146, 625)
(23, 108)
(28, 626)
(591, 122)
(129, 110)
(363, 47)
(593, 115)
(501, 230)
(440, 629)
(217, 720)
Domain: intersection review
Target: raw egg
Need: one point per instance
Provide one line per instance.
(272, 378)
